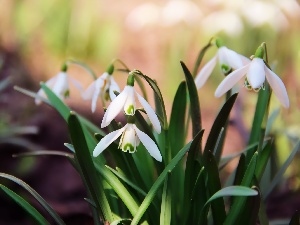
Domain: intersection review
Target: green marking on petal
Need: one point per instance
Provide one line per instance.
(248, 86)
(130, 110)
(128, 148)
(106, 95)
(226, 69)
(67, 93)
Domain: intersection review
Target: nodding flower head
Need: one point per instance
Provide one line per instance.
(131, 137)
(126, 100)
(228, 60)
(103, 87)
(256, 73)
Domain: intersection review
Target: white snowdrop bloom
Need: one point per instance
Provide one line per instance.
(256, 72)
(131, 137)
(126, 101)
(228, 60)
(59, 84)
(99, 88)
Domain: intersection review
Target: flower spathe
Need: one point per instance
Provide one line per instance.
(99, 88)
(228, 60)
(126, 101)
(256, 72)
(131, 136)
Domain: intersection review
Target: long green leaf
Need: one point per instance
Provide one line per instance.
(152, 192)
(194, 100)
(86, 164)
(232, 191)
(43, 203)
(118, 187)
(227, 158)
(282, 169)
(126, 180)
(25, 205)
(195, 153)
(262, 160)
(177, 137)
(198, 199)
(218, 124)
(213, 186)
(43, 153)
(165, 212)
(240, 170)
(249, 217)
(239, 202)
(177, 132)
(64, 110)
(120, 221)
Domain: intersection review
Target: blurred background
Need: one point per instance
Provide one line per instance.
(36, 37)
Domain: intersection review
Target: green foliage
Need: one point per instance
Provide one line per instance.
(187, 186)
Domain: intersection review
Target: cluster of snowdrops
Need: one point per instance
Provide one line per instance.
(192, 191)
(234, 66)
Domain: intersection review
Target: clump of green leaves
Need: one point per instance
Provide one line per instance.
(186, 187)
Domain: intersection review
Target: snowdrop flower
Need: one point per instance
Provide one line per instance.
(126, 101)
(257, 72)
(59, 85)
(228, 60)
(103, 85)
(131, 137)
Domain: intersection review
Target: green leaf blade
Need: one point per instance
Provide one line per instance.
(25, 205)
(43, 203)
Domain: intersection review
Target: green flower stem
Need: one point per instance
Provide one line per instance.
(82, 65)
(200, 57)
(122, 63)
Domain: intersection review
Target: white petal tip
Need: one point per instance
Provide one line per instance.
(159, 159)
(286, 104)
(218, 94)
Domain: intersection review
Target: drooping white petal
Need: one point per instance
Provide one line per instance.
(149, 144)
(41, 92)
(76, 84)
(230, 58)
(205, 72)
(107, 140)
(88, 93)
(98, 88)
(230, 81)
(113, 87)
(106, 82)
(256, 73)
(61, 85)
(151, 114)
(277, 87)
(245, 60)
(130, 105)
(114, 108)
